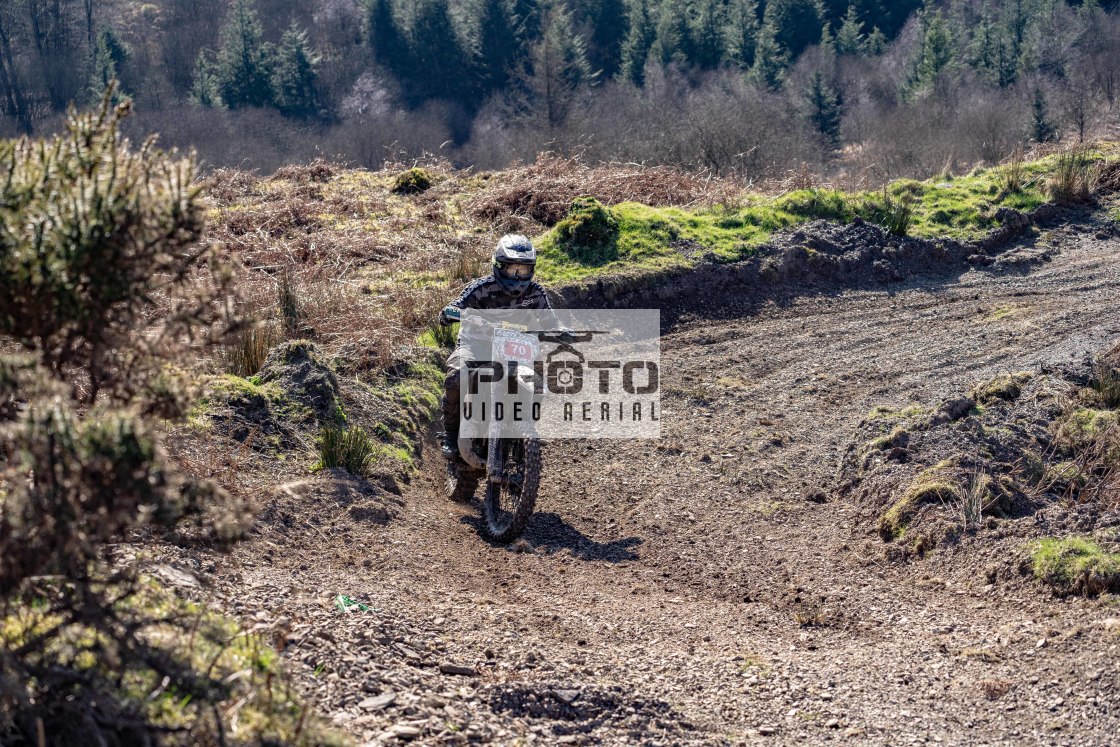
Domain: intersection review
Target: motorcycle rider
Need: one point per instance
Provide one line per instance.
(510, 286)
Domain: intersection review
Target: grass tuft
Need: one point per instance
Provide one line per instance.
(351, 449)
(250, 349)
(1074, 177)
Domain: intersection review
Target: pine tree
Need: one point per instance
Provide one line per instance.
(204, 88)
(850, 37)
(608, 23)
(770, 58)
(527, 16)
(796, 23)
(293, 74)
(876, 42)
(708, 35)
(108, 52)
(500, 45)
(560, 69)
(984, 52)
(385, 36)
(439, 65)
(744, 31)
(1042, 129)
(639, 40)
(935, 53)
(242, 70)
(824, 108)
(672, 44)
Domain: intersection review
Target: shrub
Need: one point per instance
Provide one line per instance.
(103, 282)
(894, 214)
(412, 181)
(352, 449)
(1074, 177)
(589, 234)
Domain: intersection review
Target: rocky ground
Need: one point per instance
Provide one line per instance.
(717, 587)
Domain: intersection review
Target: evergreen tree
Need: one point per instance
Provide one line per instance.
(708, 34)
(608, 23)
(242, 70)
(1042, 129)
(439, 65)
(876, 42)
(384, 34)
(293, 74)
(770, 58)
(527, 16)
(850, 36)
(204, 89)
(984, 52)
(560, 69)
(108, 52)
(639, 40)
(936, 51)
(744, 31)
(824, 108)
(672, 44)
(796, 23)
(500, 46)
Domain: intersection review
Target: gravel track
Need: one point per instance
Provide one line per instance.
(709, 588)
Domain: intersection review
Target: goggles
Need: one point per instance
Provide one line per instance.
(516, 270)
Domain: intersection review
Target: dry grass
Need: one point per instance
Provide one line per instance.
(541, 192)
(1075, 176)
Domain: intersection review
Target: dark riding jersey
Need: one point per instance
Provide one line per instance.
(488, 294)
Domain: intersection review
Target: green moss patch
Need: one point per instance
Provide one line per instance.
(1076, 565)
(935, 484)
(412, 181)
(1002, 387)
(1088, 428)
(589, 233)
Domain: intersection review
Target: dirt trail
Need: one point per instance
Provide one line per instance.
(660, 594)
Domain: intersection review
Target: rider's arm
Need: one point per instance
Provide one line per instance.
(464, 301)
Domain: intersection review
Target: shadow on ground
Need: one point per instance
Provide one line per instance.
(549, 534)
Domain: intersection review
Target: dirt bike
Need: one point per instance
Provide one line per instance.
(510, 466)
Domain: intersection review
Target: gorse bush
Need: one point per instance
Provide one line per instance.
(102, 283)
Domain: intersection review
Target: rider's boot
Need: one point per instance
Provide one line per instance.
(450, 446)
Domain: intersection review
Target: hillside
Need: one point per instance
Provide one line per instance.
(862, 91)
(883, 507)
(733, 582)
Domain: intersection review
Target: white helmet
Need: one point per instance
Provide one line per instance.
(515, 259)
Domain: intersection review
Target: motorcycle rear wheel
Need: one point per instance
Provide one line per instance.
(509, 504)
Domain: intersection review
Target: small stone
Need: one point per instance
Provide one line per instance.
(1041, 643)
(378, 702)
(459, 670)
(833, 723)
(767, 731)
(567, 697)
(404, 731)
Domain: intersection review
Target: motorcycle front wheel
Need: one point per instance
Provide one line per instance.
(509, 503)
